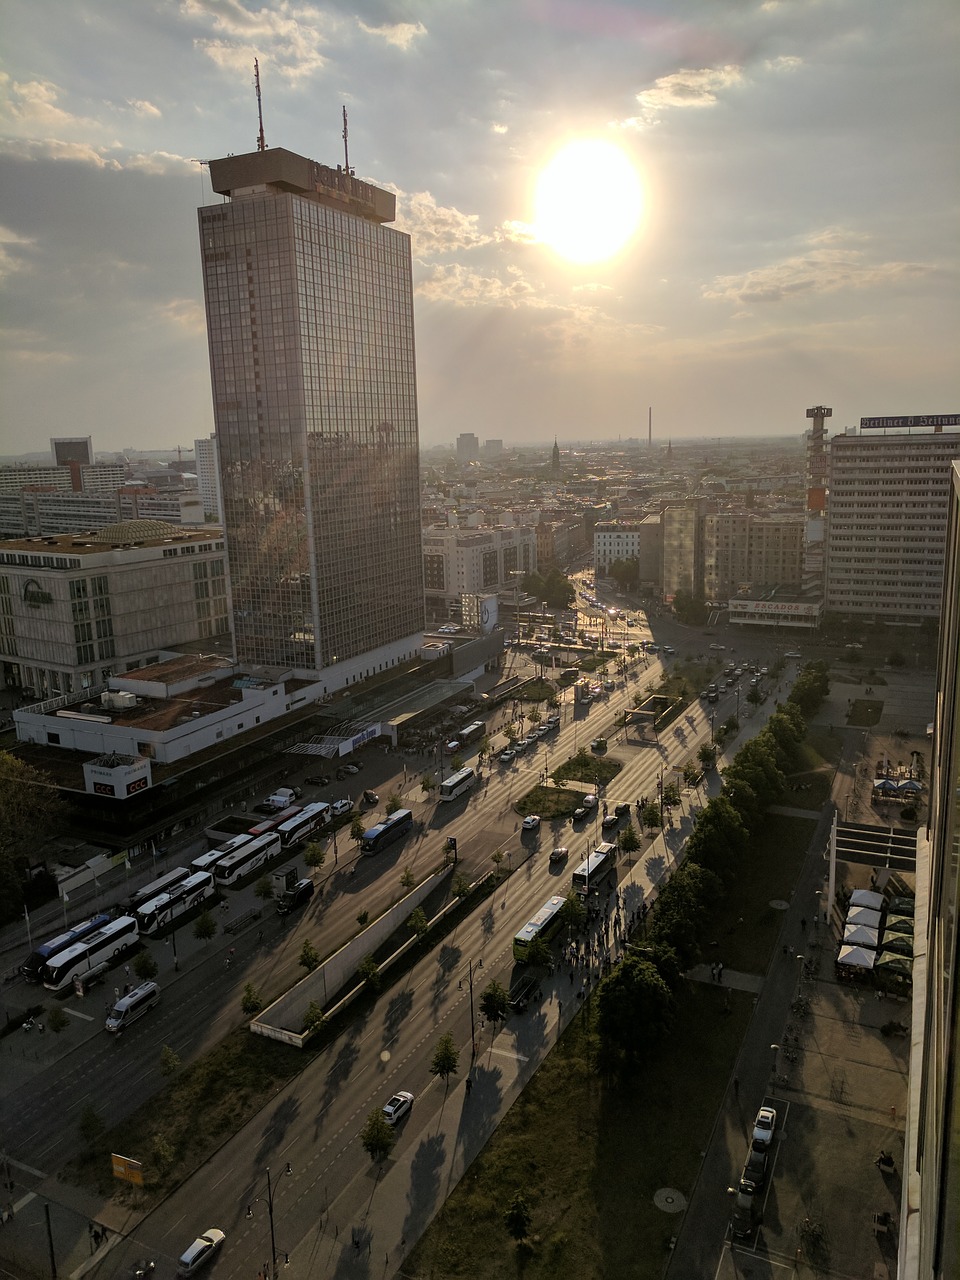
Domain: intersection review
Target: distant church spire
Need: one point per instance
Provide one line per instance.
(555, 464)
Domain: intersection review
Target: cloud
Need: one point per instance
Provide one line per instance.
(33, 105)
(12, 257)
(287, 39)
(183, 313)
(435, 228)
(400, 34)
(455, 283)
(820, 271)
(689, 88)
(58, 149)
(140, 107)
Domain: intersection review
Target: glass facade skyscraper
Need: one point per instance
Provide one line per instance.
(309, 302)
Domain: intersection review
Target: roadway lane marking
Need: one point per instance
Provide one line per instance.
(27, 1168)
(75, 1013)
(509, 1053)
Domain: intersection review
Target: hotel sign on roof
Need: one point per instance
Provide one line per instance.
(936, 420)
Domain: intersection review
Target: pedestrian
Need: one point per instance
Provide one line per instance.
(720, 971)
(116, 993)
(803, 924)
(713, 971)
(126, 971)
(469, 1084)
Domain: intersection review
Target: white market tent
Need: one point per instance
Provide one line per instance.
(867, 898)
(857, 957)
(863, 915)
(858, 935)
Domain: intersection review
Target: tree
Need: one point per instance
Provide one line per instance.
(629, 840)
(250, 1001)
(707, 755)
(539, 954)
(56, 1019)
(204, 927)
(497, 858)
(417, 920)
(393, 802)
(493, 1002)
(517, 1218)
(369, 971)
(427, 783)
(408, 879)
(145, 967)
(264, 889)
(635, 1007)
(445, 1058)
(378, 1136)
(169, 1061)
(652, 817)
(314, 855)
(163, 1152)
(314, 1018)
(309, 956)
(29, 810)
(357, 829)
(461, 886)
(573, 912)
(91, 1127)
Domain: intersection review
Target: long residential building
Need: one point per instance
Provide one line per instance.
(477, 561)
(744, 550)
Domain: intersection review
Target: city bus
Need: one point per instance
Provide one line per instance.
(33, 965)
(594, 870)
(208, 861)
(115, 937)
(472, 733)
(545, 924)
(251, 857)
(166, 907)
(457, 784)
(385, 832)
(300, 827)
(163, 884)
(274, 823)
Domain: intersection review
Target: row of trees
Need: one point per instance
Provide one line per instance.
(636, 1001)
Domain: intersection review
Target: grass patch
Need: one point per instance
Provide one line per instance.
(587, 767)
(865, 712)
(589, 1153)
(549, 802)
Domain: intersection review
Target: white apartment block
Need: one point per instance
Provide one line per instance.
(638, 540)
(76, 609)
(40, 513)
(208, 475)
(458, 562)
(887, 505)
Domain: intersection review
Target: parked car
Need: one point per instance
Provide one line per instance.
(609, 822)
(370, 797)
(318, 780)
(755, 1167)
(590, 801)
(531, 822)
(622, 810)
(452, 747)
(579, 813)
(505, 757)
(719, 647)
(353, 766)
(340, 807)
(202, 1251)
(598, 744)
(397, 1107)
(764, 1126)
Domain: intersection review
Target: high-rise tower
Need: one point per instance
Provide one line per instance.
(309, 301)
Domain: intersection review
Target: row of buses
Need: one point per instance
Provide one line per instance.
(589, 879)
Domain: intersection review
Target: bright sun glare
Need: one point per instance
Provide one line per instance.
(589, 201)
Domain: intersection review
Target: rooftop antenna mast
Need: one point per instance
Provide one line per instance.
(346, 154)
(261, 141)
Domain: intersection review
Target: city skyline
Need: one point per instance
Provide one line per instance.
(798, 244)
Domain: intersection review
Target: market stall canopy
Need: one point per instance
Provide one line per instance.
(863, 915)
(899, 924)
(902, 906)
(898, 944)
(858, 935)
(867, 898)
(889, 962)
(857, 957)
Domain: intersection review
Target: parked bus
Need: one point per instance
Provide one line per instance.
(275, 822)
(545, 924)
(101, 947)
(236, 866)
(472, 733)
(593, 871)
(300, 827)
(33, 965)
(208, 861)
(166, 907)
(385, 832)
(457, 784)
(163, 884)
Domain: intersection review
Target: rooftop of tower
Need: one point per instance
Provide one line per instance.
(280, 170)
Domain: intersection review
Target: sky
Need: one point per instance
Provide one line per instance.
(794, 197)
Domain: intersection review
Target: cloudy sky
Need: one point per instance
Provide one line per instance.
(797, 243)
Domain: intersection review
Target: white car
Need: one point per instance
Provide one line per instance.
(764, 1126)
(794, 653)
(720, 647)
(200, 1252)
(590, 801)
(340, 807)
(452, 747)
(507, 756)
(397, 1107)
(531, 822)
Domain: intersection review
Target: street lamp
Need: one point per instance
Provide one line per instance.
(270, 1193)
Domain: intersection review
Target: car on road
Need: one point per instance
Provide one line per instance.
(764, 1126)
(202, 1251)
(397, 1107)
(622, 810)
(794, 653)
(653, 648)
(318, 780)
(560, 854)
(505, 757)
(370, 797)
(598, 744)
(764, 671)
(668, 648)
(590, 801)
(520, 746)
(609, 822)
(340, 807)
(719, 647)
(704, 694)
(579, 814)
(531, 822)
(609, 686)
(452, 747)
(531, 740)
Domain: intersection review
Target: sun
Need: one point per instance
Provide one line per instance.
(589, 201)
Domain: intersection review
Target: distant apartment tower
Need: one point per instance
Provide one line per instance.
(208, 475)
(886, 522)
(309, 302)
(67, 449)
(468, 448)
(492, 448)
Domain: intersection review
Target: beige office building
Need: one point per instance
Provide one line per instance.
(743, 551)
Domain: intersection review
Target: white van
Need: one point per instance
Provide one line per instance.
(129, 1007)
